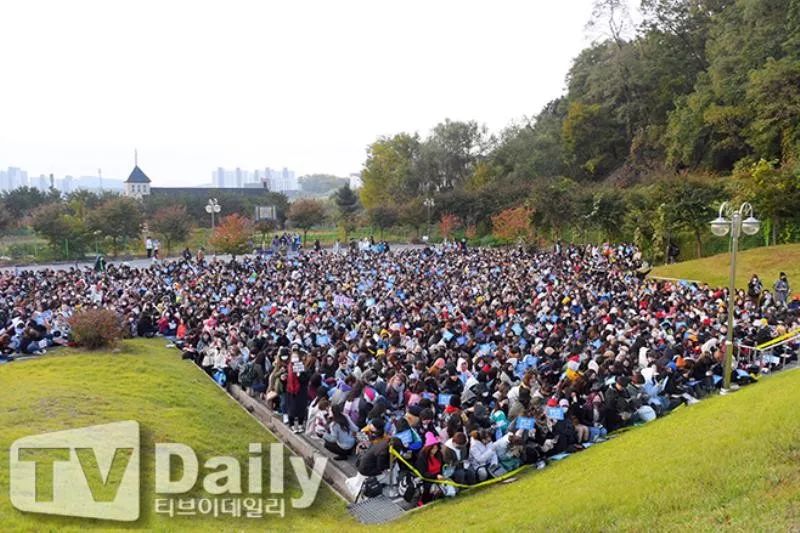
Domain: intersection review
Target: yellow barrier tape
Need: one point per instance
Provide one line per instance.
(417, 473)
(776, 340)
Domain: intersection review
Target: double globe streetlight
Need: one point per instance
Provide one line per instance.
(734, 222)
(213, 208)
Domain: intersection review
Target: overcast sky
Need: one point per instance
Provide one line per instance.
(302, 84)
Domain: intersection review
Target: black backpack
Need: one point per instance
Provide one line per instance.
(247, 375)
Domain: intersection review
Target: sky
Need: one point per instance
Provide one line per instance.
(302, 84)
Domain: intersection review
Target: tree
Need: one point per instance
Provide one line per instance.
(232, 235)
(690, 205)
(321, 184)
(449, 155)
(66, 233)
(383, 217)
(306, 213)
(773, 93)
(412, 214)
(448, 224)
(264, 227)
(773, 190)
(593, 142)
(118, 218)
(6, 220)
(173, 223)
(512, 224)
(552, 201)
(607, 212)
(391, 172)
(347, 206)
(22, 201)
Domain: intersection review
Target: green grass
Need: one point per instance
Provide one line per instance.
(729, 462)
(767, 262)
(171, 399)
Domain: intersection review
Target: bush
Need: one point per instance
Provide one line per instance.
(95, 328)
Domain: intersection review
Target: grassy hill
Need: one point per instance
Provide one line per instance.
(727, 463)
(171, 399)
(767, 262)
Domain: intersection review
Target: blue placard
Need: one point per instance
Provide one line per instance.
(444, 399)
(517, 329)
(524, 422)
(447, 336)
(556, 413)
(429, 396)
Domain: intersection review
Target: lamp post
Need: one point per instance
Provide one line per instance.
(96, 235)
(429, 203)
(734, 222)
(212, 208)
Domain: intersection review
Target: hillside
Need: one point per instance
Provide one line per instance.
(171, 399)
(767, 262)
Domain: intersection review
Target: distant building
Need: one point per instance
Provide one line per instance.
(138, 184)
(274, 180)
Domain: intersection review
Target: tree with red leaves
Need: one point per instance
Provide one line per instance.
(232, 235)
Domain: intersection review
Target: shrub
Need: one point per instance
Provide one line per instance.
(95, 328)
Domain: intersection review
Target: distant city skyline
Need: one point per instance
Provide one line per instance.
(309, 84)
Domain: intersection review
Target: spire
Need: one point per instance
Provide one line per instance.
(135, 157)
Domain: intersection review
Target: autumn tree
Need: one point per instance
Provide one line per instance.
(305, 214)
(173, 223)
(448, 224)
(231, 236)
(512, 223)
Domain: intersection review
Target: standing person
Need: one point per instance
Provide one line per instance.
(297, 392)
(317, 246)
(156, 246)
(754, 288)
(781, 289)
(336, 246)
(148, 246)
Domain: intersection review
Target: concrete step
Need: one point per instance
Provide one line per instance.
(336, 472)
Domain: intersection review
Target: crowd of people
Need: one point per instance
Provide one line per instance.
(466, 362)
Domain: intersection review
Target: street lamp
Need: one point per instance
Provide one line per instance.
(429, 203)
(213, 207)
(734, 222)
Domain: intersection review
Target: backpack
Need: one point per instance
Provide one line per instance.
(407, 486)
(247, 375)
(220, 378)
(372, 487)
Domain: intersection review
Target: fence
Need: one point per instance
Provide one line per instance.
(763, 356)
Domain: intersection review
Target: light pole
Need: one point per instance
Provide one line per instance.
(96, 235)
(429, 203)
(735, 222)
(213, 207)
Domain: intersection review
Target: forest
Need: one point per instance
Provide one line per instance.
(663, 119)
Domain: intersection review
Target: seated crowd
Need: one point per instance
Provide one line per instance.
(467, 363)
